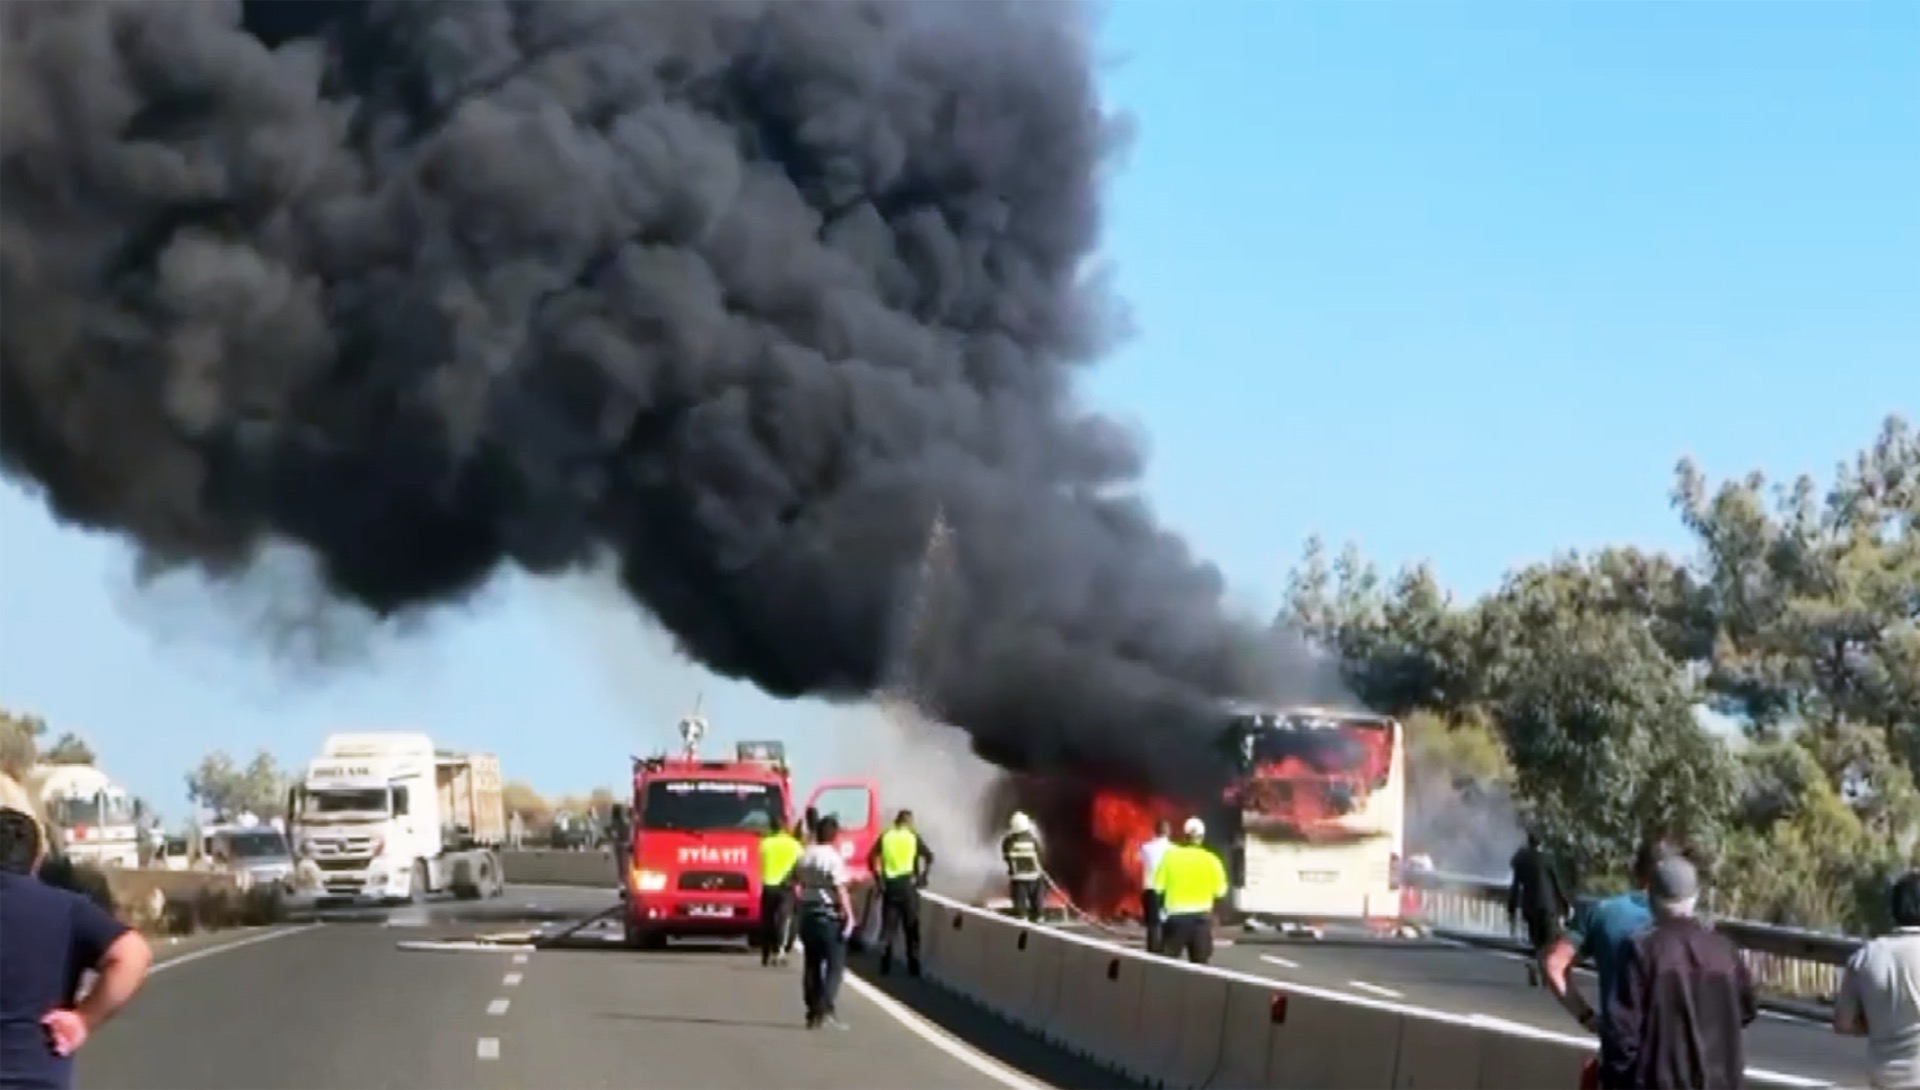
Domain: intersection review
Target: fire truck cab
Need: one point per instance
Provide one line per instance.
(694, 827)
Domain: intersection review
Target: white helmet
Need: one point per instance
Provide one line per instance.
(1020, 823)
(1194, 828)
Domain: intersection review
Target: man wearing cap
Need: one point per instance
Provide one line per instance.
(48, 938)
(1601, 932)
(1189, 879)
(1685, 998)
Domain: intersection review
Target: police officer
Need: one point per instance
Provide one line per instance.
(1020, 848)
(1189, 879)
(901, 862)
(803, 834)
(779, 851)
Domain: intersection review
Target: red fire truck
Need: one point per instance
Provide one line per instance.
(693, 868)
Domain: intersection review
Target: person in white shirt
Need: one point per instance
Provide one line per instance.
(1880, 995)
(826, 923)
(1150, 855)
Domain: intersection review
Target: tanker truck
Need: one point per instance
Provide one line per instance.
(92, 819)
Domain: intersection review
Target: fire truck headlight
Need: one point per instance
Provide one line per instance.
(649, 881)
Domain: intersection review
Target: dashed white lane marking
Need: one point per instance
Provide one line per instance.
(512, 980)
(1275, 959)
(1375, 989)
(209, 951)
(499, 1007)
(519, 959)
(488, 1048)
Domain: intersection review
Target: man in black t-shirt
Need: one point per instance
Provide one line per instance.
(48, 938)
(1538, 898)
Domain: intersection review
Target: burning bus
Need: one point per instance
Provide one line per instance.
(1308, 810)
(1314, 817)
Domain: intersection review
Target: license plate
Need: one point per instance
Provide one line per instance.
(709, 910)
(1319, 875)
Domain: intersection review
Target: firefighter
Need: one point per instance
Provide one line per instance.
(900, 861)
(779, 851)
(1026, 877)
(1189, 879)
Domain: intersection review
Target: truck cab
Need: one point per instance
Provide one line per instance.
(694, 852)
(387, 818)
(97, 820)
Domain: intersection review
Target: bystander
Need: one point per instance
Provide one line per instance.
(1880, 995)
(48, 938)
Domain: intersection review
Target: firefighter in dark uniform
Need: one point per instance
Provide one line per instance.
(900, 862)
(1026, 877)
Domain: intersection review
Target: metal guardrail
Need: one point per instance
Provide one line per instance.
(1786, 961)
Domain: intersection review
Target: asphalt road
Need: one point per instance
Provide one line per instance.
(341, 1004)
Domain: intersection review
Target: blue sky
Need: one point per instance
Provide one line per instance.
(1457, 281)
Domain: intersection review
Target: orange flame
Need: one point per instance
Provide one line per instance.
(1120, 824)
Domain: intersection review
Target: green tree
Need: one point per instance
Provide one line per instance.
(69, 749)
(1798, 616)
(227, 789)
(1600, 729)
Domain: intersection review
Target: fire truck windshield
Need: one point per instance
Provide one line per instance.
(711, 806)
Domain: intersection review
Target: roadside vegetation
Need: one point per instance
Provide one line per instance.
(1758, 695)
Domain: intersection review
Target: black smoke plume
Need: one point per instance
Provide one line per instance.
(737, 294)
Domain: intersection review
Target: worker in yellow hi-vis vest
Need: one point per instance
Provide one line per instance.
(779, 852)
(900, 862)
(1189, 879)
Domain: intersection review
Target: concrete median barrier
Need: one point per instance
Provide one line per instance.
(1319, 1043)
(1172, 1025)
(557, 868)
(1246, 1031)
(1033, 977)
(1077, 1022)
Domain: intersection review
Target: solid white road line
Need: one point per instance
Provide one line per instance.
(1275, 959)
(488, 1048)
(209, 951)
(499, 1007)
(512, 980)
(940, 1038)
(1375, 989)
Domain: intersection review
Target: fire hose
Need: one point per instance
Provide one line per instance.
(1075, 912)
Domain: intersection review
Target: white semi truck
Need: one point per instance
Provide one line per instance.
(95, 819)
(385, 817)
